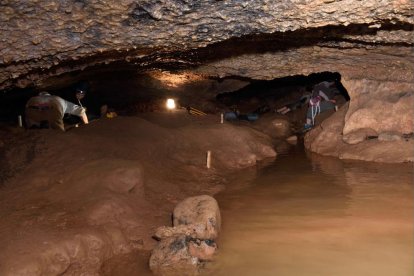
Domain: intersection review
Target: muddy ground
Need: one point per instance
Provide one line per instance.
(76, 202)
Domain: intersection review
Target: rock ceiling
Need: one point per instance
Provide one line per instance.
(259, 39)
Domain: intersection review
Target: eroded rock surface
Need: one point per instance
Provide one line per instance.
(381, 106)
(40, 38)
(329, 139)
(191, 240)
(359, 135)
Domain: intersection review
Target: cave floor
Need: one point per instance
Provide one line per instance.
(88, 201)
(74, 200)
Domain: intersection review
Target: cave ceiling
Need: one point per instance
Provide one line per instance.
(257, 39)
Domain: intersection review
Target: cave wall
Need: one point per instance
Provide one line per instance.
(383, 106)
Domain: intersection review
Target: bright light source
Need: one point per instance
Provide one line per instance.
(170, 104)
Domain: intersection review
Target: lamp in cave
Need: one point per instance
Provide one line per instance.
(170, 104)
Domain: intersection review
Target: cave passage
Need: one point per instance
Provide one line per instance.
(128, 92)
(279, 88)
(285, 96)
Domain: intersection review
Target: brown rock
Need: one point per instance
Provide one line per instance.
(181, 248)
(202, 250)
(327, 140)
(381, 106)
(166, 232)
(202, 213)
(171, 257)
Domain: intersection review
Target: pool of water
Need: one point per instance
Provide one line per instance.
(304, 214)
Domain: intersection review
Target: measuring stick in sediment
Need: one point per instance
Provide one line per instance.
(208, 159)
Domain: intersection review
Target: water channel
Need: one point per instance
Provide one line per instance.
(311, 215)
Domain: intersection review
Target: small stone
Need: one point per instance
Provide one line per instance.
(36, 40)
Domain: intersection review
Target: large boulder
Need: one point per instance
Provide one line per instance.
(202, 213)
(328, 139)
(382, 106)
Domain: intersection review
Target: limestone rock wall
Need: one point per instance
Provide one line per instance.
(377, 63)
(40, 38)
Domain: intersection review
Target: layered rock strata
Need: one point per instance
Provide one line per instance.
(40, 38)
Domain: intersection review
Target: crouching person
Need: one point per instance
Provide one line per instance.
(47, 111)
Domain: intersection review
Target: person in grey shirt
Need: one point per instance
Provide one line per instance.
(50, 109)
(322, 100)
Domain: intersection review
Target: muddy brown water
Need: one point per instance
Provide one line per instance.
(312, 215)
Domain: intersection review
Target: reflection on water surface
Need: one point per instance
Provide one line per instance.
(313, 215)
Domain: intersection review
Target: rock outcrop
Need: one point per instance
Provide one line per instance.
(364, 143)
(381, 106)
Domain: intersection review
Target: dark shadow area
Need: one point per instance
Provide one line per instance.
(12, 103)
(125, 91)
(269, 92)
(128, 92)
